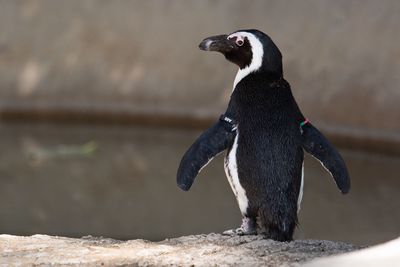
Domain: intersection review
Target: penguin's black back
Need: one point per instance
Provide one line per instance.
(269, 153)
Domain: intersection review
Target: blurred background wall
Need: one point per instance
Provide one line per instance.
(95, 64)
(341, 57)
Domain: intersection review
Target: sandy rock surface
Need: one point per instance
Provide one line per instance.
(199, 250)
(386, 254)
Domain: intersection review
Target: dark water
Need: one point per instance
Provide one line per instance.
(120, 182)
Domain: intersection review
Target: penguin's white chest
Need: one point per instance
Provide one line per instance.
(230, 166)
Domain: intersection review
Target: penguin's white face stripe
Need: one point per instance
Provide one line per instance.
(257, 51)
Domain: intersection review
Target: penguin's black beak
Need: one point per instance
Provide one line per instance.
(219, 43)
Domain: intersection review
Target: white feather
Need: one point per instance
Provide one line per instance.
(300, 197)
(208, 162)
(322, 164)
(233, 177)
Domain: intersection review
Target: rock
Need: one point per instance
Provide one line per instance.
(386, 254)
(197, 250)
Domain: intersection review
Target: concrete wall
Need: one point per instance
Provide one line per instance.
(342, 58)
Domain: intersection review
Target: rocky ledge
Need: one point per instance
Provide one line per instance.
(198, 250)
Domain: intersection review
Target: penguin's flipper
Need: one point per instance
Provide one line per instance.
(213, 141)
(315, 143)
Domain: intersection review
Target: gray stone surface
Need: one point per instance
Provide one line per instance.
(341, 57)
(386, 254)
(200, 250)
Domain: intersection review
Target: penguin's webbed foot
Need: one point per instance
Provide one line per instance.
(238, 231)
(248, 227)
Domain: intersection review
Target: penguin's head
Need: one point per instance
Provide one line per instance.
(251, 50)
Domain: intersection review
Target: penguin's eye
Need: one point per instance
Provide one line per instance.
(238, 39)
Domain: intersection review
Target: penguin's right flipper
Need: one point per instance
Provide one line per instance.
(213, 141)
(315, 143)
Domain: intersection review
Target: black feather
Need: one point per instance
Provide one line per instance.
(315, 143)
(213, 141)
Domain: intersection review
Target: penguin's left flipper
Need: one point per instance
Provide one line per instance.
(210, 143)
(315, 143)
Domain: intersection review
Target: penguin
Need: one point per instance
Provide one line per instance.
(265, 135)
